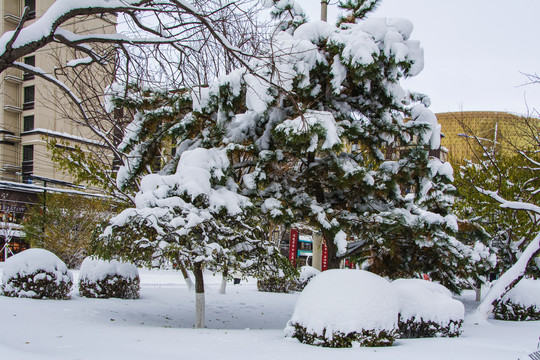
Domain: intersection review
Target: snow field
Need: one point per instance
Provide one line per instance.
(159, 326)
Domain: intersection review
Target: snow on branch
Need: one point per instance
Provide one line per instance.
(514, 205)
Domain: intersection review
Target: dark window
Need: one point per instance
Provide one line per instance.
(28, 123)
(28, 162)
(32, 8)
(30, 60)
(29, 98)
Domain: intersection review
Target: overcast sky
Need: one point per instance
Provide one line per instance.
(475, 50)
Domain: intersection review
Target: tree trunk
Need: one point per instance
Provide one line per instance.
(199, 295)
(185, 274)
(510, 278)
(223, 286)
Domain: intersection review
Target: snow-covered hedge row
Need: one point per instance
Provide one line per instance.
(341, 307)
(521, 303)
(279, 284)
(108, 279)
(427, 309)
(276, 284)
(38, 274)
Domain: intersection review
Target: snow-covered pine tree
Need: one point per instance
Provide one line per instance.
(329, 143)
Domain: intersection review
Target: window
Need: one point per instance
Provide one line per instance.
(28, 123)
(30, 60)
(29, 97)
(28, 162)
(32, 8)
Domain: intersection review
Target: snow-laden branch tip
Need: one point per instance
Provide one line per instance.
(514, 205)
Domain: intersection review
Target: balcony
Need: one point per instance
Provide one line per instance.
(13, 108)
(11, 138)
(13, 19)
(13, 79)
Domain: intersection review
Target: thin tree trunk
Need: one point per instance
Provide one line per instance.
(199, 295)
(510, 278)
(223, 287)
(185, 274)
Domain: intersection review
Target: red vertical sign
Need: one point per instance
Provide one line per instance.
(293, 247)
(324, 260)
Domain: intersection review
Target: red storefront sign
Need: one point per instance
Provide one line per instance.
(324, 262)
(293, 247)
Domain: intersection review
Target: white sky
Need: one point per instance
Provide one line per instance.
(475, 50)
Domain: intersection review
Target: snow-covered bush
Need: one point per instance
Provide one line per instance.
(306, 274)
(108, 279)
(276, 284)
(427, 309)
(38, 274)
(339, 308)
(522, 303)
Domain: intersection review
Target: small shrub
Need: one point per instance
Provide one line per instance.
(427, 309)
(276, 284)
(344, 308)
(108, 279)
(338, 339)
(521, 303)
(37, 274)
(306, 274)
(507, 310)
(419, 328)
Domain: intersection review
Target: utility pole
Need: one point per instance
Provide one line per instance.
(324, 10)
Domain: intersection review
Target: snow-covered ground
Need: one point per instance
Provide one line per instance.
(242, 324)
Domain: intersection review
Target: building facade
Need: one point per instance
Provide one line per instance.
(33, 111)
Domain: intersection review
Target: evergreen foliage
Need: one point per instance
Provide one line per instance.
(370, 338)
(508, 310)
(320, 133)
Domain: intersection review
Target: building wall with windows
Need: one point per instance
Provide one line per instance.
(497, 129)
(32, 109)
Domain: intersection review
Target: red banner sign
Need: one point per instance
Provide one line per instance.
(324, 262)
(293, 247)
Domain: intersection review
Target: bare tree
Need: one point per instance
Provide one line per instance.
(521, 148)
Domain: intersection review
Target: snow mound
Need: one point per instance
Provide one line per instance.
(108, 278)
(427, 309)
(341, 307)
(36, 273)
(307, 273)
(521, 303)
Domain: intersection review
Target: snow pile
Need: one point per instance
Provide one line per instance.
(521, 303)
(339, 308)
(108, 278)
(427, 309)
(36, 273)
(307, 273)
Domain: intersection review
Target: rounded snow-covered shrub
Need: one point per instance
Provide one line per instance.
(108, 279)
(339, 308)
(38, 274)
(306, 274)
(427, 309)
(521, 303)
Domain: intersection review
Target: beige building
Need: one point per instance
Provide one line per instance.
(32, 109)
(492, 128)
